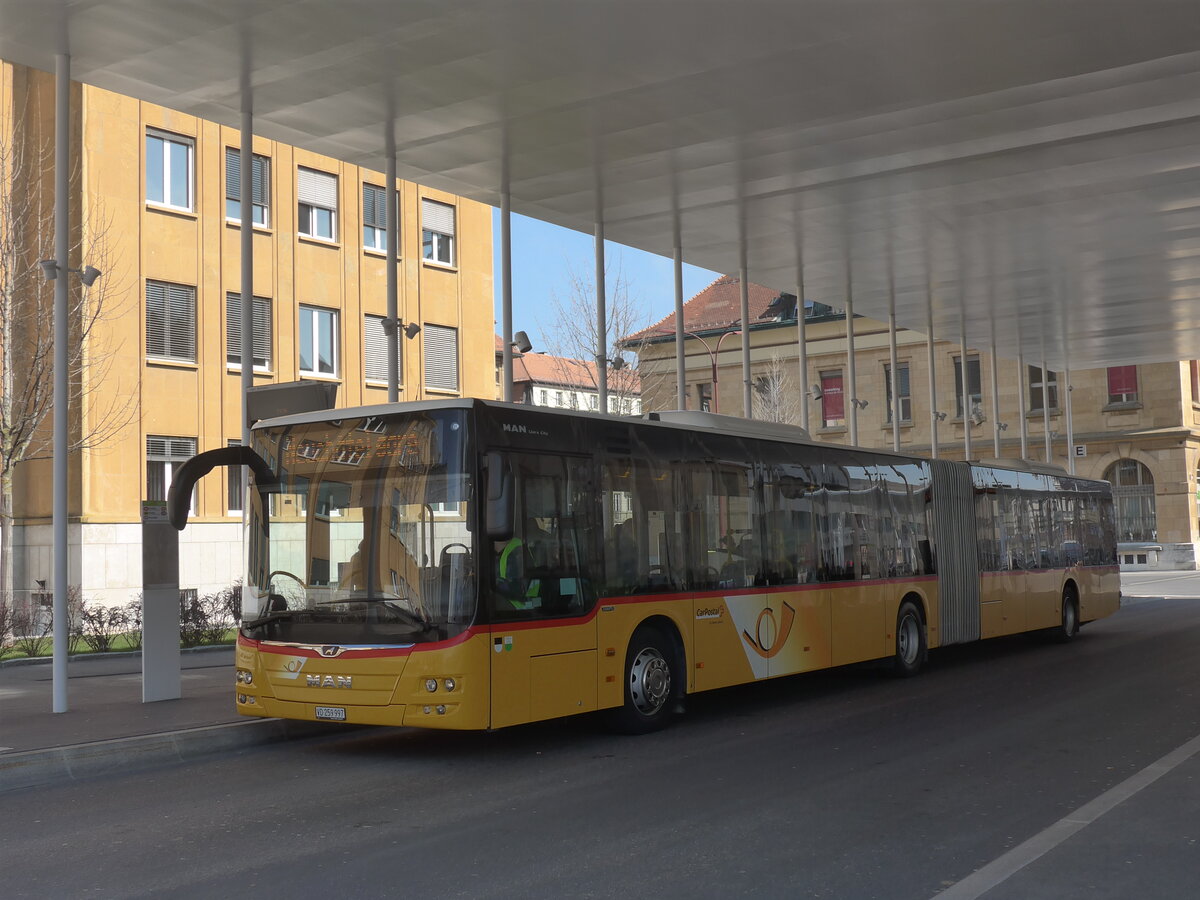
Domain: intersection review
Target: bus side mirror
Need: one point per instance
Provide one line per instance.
(499, 509)
(179, 495)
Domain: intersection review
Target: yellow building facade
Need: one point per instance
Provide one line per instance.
(161, 190)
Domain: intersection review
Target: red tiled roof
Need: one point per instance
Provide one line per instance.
(542, 368)
(716, 308)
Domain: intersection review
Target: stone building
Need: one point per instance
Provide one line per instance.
(1136, 425)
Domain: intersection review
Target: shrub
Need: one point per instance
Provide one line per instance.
(133, 622)
(205, 620)
(101, 625)
(33, 629)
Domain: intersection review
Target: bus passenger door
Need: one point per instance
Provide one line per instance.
(542, 595)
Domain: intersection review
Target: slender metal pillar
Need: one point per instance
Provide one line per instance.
(965, 399)
(1070, 422)
(747, 384)
(1021, 410)
(601, 318)
(680, 369)
(62, 226)
(931, 359)
(393, 253)
(851, 394)
(995, 399)
(893, 359)
(1046, 405)
(802, 343)
(506, 292)
(246, 239)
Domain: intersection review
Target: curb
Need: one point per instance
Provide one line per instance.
(89, 657)
(32, 768)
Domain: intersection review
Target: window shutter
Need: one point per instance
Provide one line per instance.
(317, 188)
(233, 174)
(437, 217)
(261, 180)
(375, 349)
(374, 206)
(1122, 379)
(262, 330)
(169, 449)
(441, 357)
(156, 319)
(170, 321)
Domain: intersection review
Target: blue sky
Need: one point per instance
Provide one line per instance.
(543, 256)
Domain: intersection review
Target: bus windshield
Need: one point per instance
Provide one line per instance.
(366, 538)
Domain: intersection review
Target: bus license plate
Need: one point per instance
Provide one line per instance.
(332, 713)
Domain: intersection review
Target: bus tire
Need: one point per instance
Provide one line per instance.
(1069, 626)
(910, 641)
(650, 681)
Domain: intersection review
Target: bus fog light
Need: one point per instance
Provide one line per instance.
(428, 710)
(449, 684)
(241, 698)
(441, 710)
(431, 684)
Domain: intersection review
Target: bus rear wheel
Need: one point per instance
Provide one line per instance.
(1069, 626)
(910, 641)
(649, 683)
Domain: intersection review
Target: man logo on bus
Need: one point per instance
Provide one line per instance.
(769, 638)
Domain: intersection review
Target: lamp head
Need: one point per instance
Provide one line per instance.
(411, 330)
(49, 269)
(521, 342)
(89, 275)
(618, 363)
(815, 392)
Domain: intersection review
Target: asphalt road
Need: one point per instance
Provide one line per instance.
(840, 784)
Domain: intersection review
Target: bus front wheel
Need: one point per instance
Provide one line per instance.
(649, 683)
(910, 641)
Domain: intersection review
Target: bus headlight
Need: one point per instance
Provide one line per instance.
(449, 684)
(244, 677)
(431, 685)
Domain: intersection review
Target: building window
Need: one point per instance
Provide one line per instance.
(543, 397)
(559, 401)
(1122, 384)
(593, 401)
(974, 384)
(437, 231)
(704, 397)
(164, 456)
(441, 357)
(1035, 389)
(1195, 366)
(233, 493)
(170, 321)
(262, 332)
(317, 193)
(260, 200)
(375, 218)
(318, 341)
(169, 170)
(375, 350)
(1133, 497)
(833, 405)
(902, 391)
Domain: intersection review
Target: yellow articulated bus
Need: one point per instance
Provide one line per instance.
(471, 564)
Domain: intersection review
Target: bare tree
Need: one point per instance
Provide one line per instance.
(775, 398)
(572, 333)
(26, 319)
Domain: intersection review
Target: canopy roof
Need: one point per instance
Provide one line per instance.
(1028, 165)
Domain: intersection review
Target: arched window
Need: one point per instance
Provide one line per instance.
(1133, 496)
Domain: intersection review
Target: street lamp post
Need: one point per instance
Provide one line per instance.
(713, 353)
